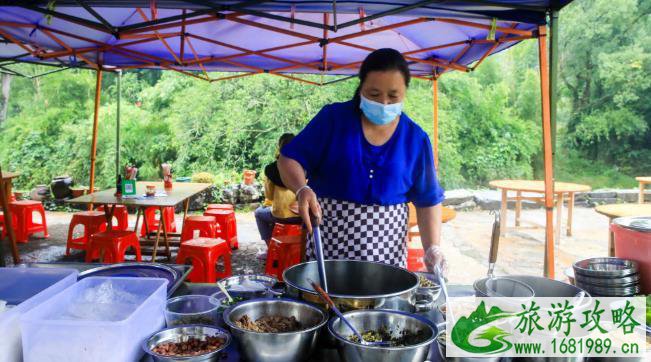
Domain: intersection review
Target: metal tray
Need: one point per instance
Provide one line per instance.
(179, 271)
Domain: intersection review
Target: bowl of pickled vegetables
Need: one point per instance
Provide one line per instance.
(408, 336)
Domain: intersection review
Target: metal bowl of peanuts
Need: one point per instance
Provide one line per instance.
(189, 343)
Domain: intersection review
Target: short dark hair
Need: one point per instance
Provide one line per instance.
(285, 139)
(382, 60)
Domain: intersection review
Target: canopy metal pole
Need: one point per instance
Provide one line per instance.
(435, 133)
(553, 73)
(5, 197)
(93, 147)
(117, 127)
(547, 151)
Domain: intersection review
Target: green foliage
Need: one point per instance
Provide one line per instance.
(605, 72)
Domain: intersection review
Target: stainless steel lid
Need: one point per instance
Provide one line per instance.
(637, 223)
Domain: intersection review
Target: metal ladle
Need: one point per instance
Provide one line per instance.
(318, 248)
(326, 298)
(503, 287)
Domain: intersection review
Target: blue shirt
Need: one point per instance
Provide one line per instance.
(341, 164)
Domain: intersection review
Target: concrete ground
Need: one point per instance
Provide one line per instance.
(465, 243)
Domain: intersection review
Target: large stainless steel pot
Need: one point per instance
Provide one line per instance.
(355, 284)
(543, 287)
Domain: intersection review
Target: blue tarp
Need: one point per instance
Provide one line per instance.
(235, 36)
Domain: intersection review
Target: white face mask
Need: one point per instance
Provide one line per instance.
(379, 113)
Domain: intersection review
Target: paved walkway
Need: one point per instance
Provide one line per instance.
(465, 243)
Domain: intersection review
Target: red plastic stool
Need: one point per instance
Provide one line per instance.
(284, 251)
(152, 222)
(205, 224)
(23, 213)
(92, 221)
(281, 229)
(227, 224)
(114, 245)
(121, 214)
(2, 225)
(220, 207)
(415, 257)
(205, 253)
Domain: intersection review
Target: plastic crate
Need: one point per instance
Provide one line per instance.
(26, 288)
(79, 324)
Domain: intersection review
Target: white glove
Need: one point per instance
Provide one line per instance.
(433, 257)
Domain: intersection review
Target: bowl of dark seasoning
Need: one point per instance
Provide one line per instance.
(187, 343)
(275, 329)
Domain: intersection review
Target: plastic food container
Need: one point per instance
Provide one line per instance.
(633, 241)
(191, 309)
(25, 288)
(98, 319)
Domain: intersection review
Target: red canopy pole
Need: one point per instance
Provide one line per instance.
(435, 133)
(547, 149)
(93, 147)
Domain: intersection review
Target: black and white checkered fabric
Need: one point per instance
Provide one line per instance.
(362, 232)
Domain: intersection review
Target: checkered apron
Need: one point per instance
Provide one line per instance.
(362, 232)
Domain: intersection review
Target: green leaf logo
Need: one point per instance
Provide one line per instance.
(496, 337)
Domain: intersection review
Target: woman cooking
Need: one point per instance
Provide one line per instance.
(365, 160)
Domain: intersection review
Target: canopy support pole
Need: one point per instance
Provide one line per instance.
(93, 147)
(5, 197)
(547, 150)
(553, 73)
(117, 127)
(435, 132)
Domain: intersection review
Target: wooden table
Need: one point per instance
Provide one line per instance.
(643, 180)
(614, 211)
(180, 193)
(538, 187)
(5, 198)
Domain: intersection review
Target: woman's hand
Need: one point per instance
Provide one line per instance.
(433, 257)
(309, 208)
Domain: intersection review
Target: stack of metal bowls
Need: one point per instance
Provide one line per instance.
(607, 277)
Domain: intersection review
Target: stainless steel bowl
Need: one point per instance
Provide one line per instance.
(355, 284)
(396, 322)
(611, 291)
(181, 334)
(276, 347)
(605, 267)
(435, 291)
(266, 280)
(542, 287)
(628, 281)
